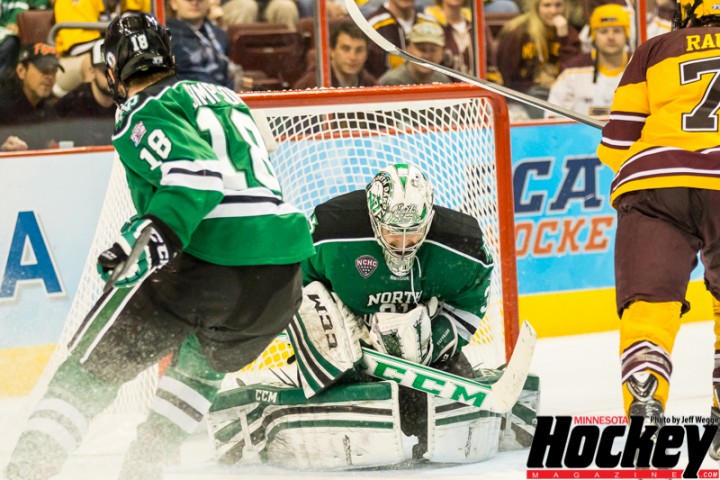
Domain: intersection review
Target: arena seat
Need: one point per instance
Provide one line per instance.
(496, 20)
(270, 48)
(35, 25)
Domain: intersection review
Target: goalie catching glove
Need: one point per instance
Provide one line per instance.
(162, 246)
(420, 335)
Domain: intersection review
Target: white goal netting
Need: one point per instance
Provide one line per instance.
(333, 142)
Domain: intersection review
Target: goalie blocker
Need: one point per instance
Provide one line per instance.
(371, 424)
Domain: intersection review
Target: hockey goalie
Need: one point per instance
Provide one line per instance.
(394, 274)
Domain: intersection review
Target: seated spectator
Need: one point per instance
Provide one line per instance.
(426, 41)
(536, 45)
(393, 20)
(74, 45)
(92, 100)
(456, 19)
(348, 53)
(273, 11)
(659, 16)
(200, 47)
(26, 94)
(588, 83)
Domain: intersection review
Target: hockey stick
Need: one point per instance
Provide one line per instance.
(383, 43)
(497, 397)
(137, 249)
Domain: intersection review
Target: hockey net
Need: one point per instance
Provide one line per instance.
(333, 141)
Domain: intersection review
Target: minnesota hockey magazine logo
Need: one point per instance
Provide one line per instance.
(610, 447)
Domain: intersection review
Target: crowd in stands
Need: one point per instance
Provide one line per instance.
(569, 52)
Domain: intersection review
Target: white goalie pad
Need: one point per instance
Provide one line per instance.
(518, 425)
(347, 426)
(459, 433)
(325, 338)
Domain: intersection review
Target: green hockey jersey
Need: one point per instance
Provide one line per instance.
(452, 264)
(196, 160)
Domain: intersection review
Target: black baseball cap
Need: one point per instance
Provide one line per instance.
(42, 55)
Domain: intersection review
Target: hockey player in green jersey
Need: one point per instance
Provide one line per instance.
(211, 261)
(407, 278)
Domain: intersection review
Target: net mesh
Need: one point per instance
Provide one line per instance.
(324, 150)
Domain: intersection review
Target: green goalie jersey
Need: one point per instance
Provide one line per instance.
(195, 159)
(452, 264)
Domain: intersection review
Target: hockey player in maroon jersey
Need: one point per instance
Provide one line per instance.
(662, 141)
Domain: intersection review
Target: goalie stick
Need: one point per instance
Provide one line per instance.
(496, 397)
(386, 45)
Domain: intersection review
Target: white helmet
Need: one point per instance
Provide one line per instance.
(400, 201)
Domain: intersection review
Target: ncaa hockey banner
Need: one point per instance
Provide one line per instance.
(51, 204)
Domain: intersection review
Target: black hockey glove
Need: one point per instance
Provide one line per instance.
(145, 244)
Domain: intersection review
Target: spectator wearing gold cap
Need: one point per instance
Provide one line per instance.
(426, 41)
(589, 81)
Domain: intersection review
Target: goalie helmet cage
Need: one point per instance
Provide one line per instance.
(332, 141)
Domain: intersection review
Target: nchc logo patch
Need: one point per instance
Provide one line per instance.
(366, 265)
(610, 447)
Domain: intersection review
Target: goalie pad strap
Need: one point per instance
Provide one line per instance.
(324, 337)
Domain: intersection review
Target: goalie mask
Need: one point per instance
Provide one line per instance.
(135, 43)
(400, 201)
(693, 13)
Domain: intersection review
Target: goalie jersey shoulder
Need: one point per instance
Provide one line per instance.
(344, 216)
(459, 231)
(347, 216)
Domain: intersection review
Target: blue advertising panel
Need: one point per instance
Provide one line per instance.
(50, 207)
(564, 222)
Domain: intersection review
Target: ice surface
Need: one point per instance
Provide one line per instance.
(579, 376)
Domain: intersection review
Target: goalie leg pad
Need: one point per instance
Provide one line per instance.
(324, 336)
(518, 425)
(346, 426)
(459, 433)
